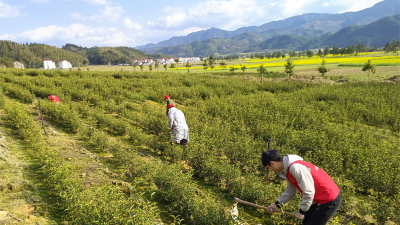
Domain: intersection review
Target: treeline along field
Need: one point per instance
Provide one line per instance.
(350, 130)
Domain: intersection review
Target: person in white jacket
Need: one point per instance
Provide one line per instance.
(321, 196)
(177, 124)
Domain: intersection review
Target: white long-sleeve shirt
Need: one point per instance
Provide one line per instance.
(302, 174)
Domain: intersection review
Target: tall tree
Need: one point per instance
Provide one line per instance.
(243, 68)
(322, 69)
(232, 69)
(369, 68)
(211, 61)
(310, 53)
(222, 64)
(205, 64)
(261, 70)
(326, 51)
(188, 65)
(156, 65)
(320, 53)
(289, 68)
(135, 64)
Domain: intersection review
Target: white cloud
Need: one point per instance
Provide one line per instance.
(294, 7)
(129, 24)
(75, 33)
(175, 19)
(150, 23)
(97, 2)
(108, 13)
(188, 31)
(8, 10)
(350, 5)
(233, 13)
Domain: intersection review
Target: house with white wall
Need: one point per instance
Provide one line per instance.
(169, 60)
(161, 61)
(49, 65)
(63, 64)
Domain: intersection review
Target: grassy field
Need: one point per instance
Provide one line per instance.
(340, 67)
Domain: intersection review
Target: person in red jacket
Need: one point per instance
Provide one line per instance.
(321, 196)
(53, 98)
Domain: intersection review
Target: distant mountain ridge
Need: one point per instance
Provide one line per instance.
(377, 33)
(315, 23)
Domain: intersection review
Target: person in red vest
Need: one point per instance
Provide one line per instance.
(321, 196)
(53, 98)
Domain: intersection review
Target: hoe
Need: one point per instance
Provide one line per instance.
(235, 212)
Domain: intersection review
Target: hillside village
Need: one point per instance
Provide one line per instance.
(167, 60)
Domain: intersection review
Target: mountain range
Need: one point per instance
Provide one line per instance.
(374, 34)
(303, 28)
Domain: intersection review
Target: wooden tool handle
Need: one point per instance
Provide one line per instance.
(235, 200)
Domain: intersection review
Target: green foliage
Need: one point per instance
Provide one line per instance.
(19, 117)
(103, 55)
(109, 205)
(188, 65)
(369, 68)
(331, 126)
(243, 68)
(205, 64)
(289, 67)
(223, 64)
(32, 55)
(63, 113)
(211, 61)
(16, 91)
(322, 69)
(6, 62)
(104, 205)
(232, 69)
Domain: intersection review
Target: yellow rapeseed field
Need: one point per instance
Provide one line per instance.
(354, 61)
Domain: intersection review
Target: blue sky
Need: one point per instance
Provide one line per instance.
(132, 23)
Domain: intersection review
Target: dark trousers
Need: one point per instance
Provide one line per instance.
(321, 214)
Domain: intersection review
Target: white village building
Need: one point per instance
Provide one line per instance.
(64, 64)
(48, 64)
(169, 60)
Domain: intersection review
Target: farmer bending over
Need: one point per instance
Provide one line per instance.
(321, 196)
(169, 102)
(53, 98)
(177, 123)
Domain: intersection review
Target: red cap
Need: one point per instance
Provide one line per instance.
(166, 97)
(171, 105)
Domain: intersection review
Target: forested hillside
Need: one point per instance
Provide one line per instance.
(103, 55)
(33, 54)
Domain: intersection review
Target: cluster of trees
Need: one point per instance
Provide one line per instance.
(32, 55)
(228, 57)
(268, 55)
(352, 50)
(113, 55)
(394, 47)
(104, 55)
